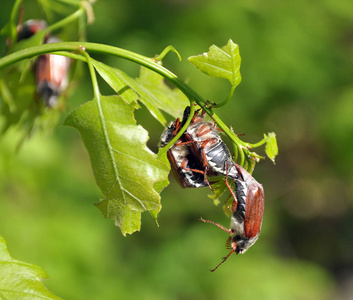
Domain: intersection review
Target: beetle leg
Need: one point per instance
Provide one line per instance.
(202, 130)
(205, 178)
(235, 203)
(177, 127)
(179, 143)
(209, 105)
(203, 145)
(203, 156)
(196, 118)
(183, 166)
(229, 231)
(232, 193)
(205, 161)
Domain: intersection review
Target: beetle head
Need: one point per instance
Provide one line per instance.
(243, 244)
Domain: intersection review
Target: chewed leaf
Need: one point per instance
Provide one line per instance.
(124, 217)
(125, 170)
(220, 62)
(271, 146)
(20, 280)
(160, 185)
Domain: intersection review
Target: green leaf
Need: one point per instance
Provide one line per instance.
(18, 89)
(124, 168)
(220, 62)
(118, 81)
(51, 8)
(271, 146)
(160, 185)
(20, 280)
(6, 29)
(219, 188)
(122, 83)
(227, 206)
(17, 101)
(127, 219)
(25, 66)
(152, 88)
(35, 40)
(149, 88)
(22, 107)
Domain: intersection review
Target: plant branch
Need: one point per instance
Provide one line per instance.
(103, 49)
(14, 13)
(134, 57)
(181, 131)
(96, 91)
(77, 14)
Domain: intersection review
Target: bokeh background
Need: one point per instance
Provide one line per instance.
(297, 68)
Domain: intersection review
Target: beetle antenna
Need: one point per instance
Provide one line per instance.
(228, 243)
(224, 259)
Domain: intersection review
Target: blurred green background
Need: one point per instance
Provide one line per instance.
(297, 68)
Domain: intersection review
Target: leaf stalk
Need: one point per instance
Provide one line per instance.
(193, 96)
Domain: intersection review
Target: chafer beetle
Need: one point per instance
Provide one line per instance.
(51, 71)
(51, 75)
(247, 214)
(185, 168)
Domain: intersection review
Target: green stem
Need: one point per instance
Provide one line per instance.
(70, 3)
(104, 49)
(163, 150)
(263, 141)
(236, 151)
(76, 15)
(131, 56)
(13, 26)
(165, 52)
(217, 105)
(92, 71)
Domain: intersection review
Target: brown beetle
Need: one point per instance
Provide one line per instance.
(185, 168)
(247, 214)
(51, 75)
(51, 70)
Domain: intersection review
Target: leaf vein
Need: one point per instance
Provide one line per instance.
(134, 158)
